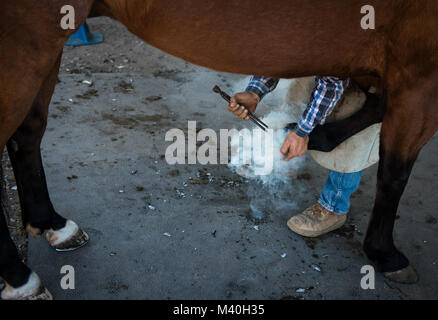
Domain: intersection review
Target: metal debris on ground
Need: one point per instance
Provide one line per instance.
(153, 98)
(197, 181)
(179, 193)
(87, 82)
(87, 95)
(316, 267)
(346, 231)
(174, 173)
(124, 87)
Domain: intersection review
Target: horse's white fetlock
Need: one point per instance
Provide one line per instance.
(31, 290)
(59, 236)
(68, 238)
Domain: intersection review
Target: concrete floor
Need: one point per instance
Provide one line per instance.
(104, 158)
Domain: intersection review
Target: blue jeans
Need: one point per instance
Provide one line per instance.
(335, 195)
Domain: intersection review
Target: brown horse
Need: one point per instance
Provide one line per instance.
(284, 39)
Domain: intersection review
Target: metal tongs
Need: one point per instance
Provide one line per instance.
(252, 117)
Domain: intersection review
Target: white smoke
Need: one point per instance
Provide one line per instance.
(281, 170)
(279, 190)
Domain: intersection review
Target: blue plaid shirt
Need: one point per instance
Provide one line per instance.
(328, 91)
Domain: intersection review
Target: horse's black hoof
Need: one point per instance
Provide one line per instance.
(406, 275)
(69, 238)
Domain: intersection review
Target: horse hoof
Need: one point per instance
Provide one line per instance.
(69, 238)
(33, 289)
(34, 232)
(406, 275)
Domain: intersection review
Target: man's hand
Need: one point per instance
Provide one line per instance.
(294, 146)
(248, 99)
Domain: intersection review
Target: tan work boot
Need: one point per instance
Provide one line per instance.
(315, 221)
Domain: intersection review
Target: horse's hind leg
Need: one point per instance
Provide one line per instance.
(20, 280)
(12, 268)
(410, 120)
(24, 151)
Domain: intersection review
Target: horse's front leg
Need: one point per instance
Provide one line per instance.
(24, 151)
(411, 119)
